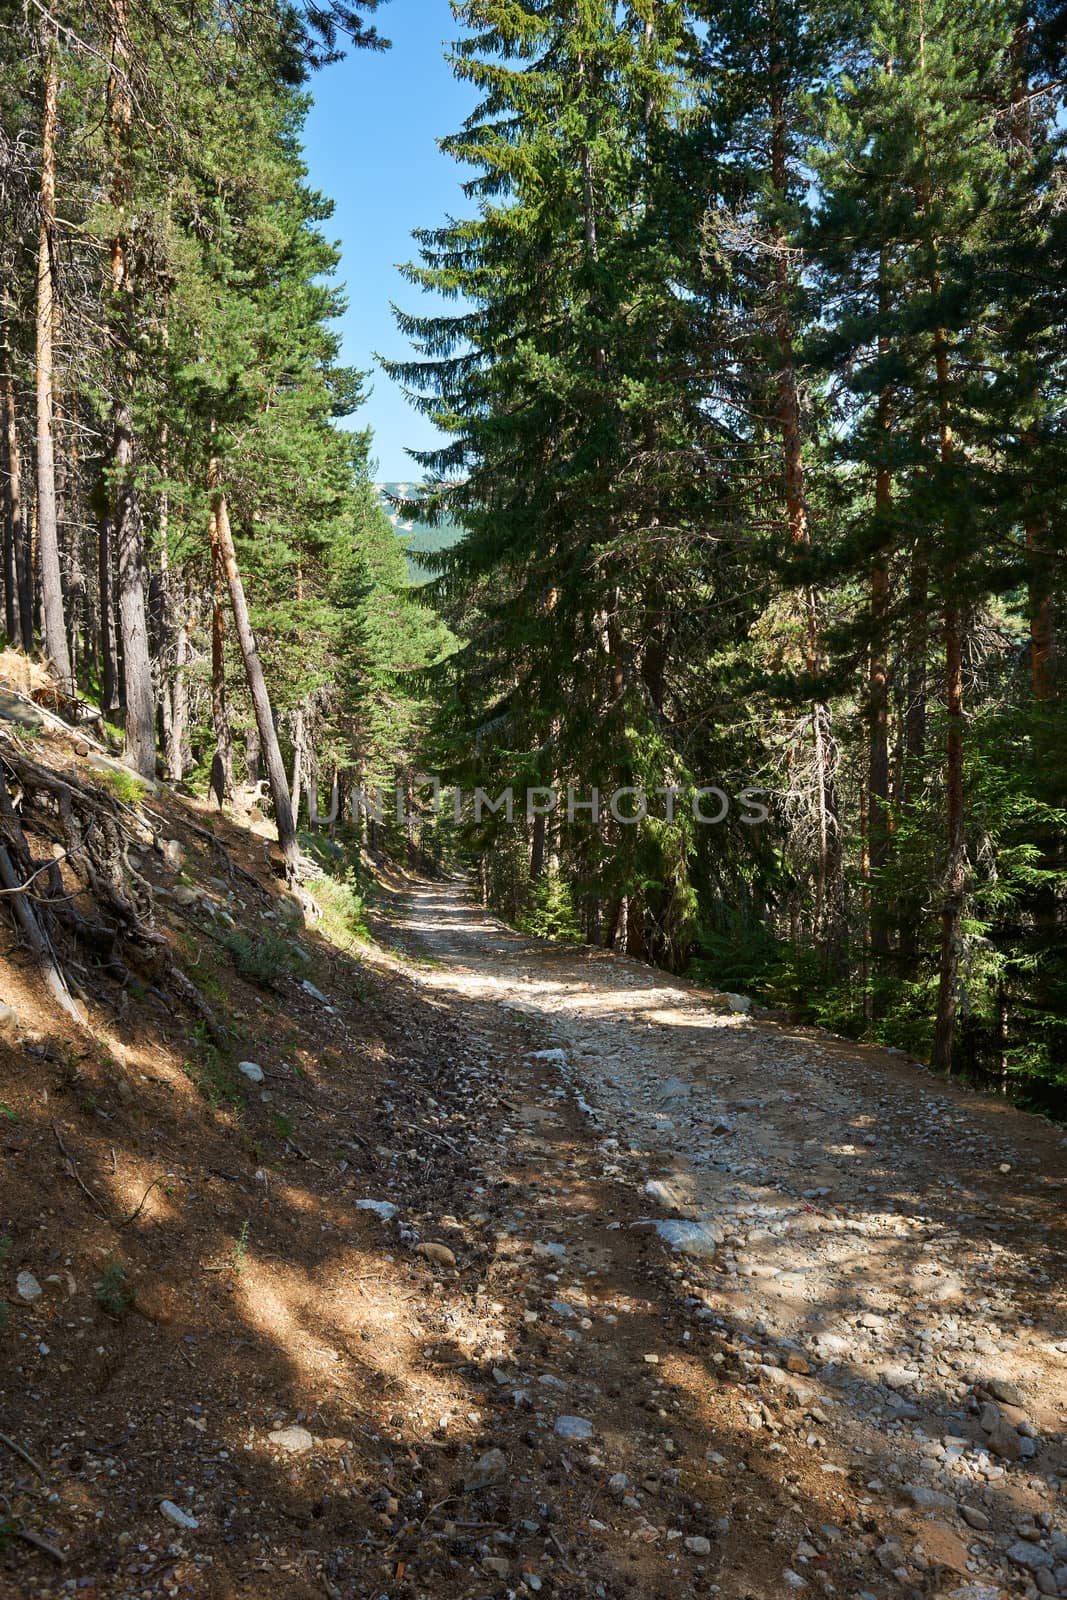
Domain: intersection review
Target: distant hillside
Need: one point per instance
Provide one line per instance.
(419, 537)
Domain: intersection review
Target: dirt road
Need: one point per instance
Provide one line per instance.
(883, 1255)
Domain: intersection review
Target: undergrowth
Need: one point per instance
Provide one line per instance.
(260, 958)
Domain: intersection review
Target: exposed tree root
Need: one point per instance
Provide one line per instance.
(104, 922)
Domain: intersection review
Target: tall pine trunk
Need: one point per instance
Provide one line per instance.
(14, 614)
(109, 675)
(133, 611)
(955, 878)
(221, 784)
(55, 630)
(878, 686)
(257, 685)
(140, 700)
(828, 863)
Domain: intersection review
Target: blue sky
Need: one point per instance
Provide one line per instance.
(370, 144)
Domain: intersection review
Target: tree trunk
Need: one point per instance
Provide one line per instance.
(221, 784)
(878, 689)
(109, 689)
(1040, 587)
(179, 703)
(955, 880)
(279, 787)
(537, 847)
(253, 754)
(13, 534)
(55, 632)
(129, 528)
(828, 864)
(298, 761)
(133, 614)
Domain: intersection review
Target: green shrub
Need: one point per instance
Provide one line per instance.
(113, 1293)
(125, 786)
(212, 1073)
(551, 914)
(344, 910)
(260, 958)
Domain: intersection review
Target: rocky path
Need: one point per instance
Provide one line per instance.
(861, 1268)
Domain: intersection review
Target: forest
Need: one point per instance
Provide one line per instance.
(751, 381)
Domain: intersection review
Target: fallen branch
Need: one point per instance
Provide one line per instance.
(38, 1543)
(25, 1454)
(72, 1170)
(155, 1181)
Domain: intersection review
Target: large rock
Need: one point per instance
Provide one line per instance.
(697, 1239)
(574, 1428)
(489, 1469)
(175, 1514)
(294, 1440)
(1009, 1394)
(1030, 1556)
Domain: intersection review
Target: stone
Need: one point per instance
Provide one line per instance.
(381, 1208)
(739, 1004)
(439, 1254)
(618, 1484)
(698, 1546)
(490, 1468)
(549, 1252)
(1009, 1394)
(573, 1428)
(175, 1514)
(185, 894)
(1030, 1556)
(316, 994)
(174, 852)
(27, 1288)
(251, 1070)
(294, 1440)
(793, 1579)
(795, 1363)
(697, 1239)
(899, 1377)
(1005, 1442)
(499, 1565)
(925, 1499)
(974, 1518)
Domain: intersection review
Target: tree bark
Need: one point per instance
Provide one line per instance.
(272, 755)
(133, 614)
(878, 692)
(955, 880)
(55, 631)
(179, 703)
(828, 864)
(221, 785)
(129, 528)
(109, 688)
(14, 616)
(298, 761)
